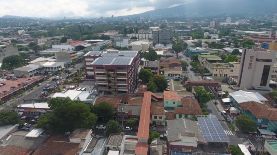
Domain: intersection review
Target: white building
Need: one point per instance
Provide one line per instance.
(256, 68)
(142, 45)
(78, 95)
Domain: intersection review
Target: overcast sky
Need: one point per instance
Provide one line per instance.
(82, 8)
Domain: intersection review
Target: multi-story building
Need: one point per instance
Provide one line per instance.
(161, 36)
(89, 58)
(116, 72)
(256, 68)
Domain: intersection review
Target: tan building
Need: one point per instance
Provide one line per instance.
(256, 69)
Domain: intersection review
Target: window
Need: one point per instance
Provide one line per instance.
(155, 117)
(160, 117)
(265, 75)
(173, 102)
(215, 74)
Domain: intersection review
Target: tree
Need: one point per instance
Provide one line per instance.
(113, 127)
(8, 117)
(63, 40)
(246, 124)
(248, 44)
(236, 52)
(104, 111)
(55, 103)
(151, 55)
(151, 86)
(184, 65)
(67, 117)
(178, 46)
(34, 46)
(235, 150)
(160, 82)
(12, 62)
(202, 95)
(153, 135)
(132, 122)
(230, 58)
(145, 75)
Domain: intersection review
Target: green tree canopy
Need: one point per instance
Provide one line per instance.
(248, 44)
(235, 150)
(246, 124)
(235, 52)
(8, 117)
(104, 111)
(63, 40)
(160, 82)
(34, 46)
(145, 75)
(203, 95)
(12, 62)
(184, 65)
(151, 86)
(113, 127)
(178, 46)
(153, 135)
(151, 55)
(132, 122)
(67, 116)
(230, 58)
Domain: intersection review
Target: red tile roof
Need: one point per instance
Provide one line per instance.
(190, 107)
(171, 95)
(157, 109)
(9, 86)
(143, 131)
(56, 145)
(13, 150)
(260, 110)
(141, 149)
(144, 122)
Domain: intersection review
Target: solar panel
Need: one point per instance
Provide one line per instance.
(211, 129)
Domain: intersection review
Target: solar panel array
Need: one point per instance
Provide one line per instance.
(212, 130)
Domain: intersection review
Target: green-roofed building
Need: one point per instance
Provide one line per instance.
(271, 146)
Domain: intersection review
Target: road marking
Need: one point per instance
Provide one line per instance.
(228, 132)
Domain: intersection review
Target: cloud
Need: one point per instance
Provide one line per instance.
(82, 8)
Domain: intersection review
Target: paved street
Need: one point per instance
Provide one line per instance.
(213, 109)
(35, 92)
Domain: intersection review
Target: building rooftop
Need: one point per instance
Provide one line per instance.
(210, 57)
(261, 111)
(93, 53)
(171, 95)
(190, 106)
(212, 130)
(151, 64)
(52, 64)
(56, 145)
(14, 150)
(35, 133)
(272, 144)
(43, 105)
(28, 68)
(179, 129)
(244, 96)
(9, 86)
(79, 133)
(41, 59)
(115, 140)
(113, 61)
(74, 95)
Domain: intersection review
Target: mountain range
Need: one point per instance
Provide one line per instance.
(209, 8)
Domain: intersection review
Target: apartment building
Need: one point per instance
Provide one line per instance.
(89, 58)
(256, 69)
(116, 72)
(161, 36)
(217, 68)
